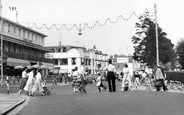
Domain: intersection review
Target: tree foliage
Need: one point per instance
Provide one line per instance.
(180, 52)
(144, 42)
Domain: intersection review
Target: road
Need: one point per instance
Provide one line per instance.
(64, 102)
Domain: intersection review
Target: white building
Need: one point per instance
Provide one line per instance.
(67, 57)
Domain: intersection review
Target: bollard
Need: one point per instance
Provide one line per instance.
(8, 88)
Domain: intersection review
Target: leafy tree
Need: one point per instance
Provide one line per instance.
(180, 52)
(144, 42)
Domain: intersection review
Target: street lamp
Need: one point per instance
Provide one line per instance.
(1, 42)
(156, 29)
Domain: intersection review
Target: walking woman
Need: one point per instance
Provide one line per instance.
(126, 77)
(37, 87)
(83, 77)
(24, 80)
(76, 80)
(30, 82)
(111, 76)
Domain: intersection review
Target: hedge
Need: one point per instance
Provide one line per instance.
(175, 76)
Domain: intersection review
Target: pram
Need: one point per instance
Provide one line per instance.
(126, 88)
(46, 90)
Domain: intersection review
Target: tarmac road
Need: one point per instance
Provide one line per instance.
(64, 102)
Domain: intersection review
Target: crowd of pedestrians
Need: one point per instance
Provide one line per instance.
(32, 80)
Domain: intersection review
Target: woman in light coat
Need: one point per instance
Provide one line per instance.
(126, 76)
(30, 82)
(37, 87)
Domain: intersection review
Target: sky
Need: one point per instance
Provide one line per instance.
(110, 38)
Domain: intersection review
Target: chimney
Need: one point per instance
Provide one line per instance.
(60, 43)
(12, 14)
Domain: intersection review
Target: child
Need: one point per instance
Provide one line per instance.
(99, 84)
(148, 83)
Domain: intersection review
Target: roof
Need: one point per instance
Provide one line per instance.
(26, 28)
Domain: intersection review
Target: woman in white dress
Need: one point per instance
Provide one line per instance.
(37, 87)
(126, 76)
(30, 82)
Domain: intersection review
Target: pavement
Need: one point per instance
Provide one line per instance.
(10, 101)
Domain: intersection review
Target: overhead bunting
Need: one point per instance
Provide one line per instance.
(80, 26)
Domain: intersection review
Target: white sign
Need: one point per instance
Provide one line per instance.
(122, 60)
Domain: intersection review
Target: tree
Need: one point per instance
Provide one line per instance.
(144, 42)
(180, 52)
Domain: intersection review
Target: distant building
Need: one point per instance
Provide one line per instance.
(120, 60)
(22, 46)
(67, 57)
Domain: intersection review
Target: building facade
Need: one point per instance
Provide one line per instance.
(120, 60)
(67, 57)
(22, 46)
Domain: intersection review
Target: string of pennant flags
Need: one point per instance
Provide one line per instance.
(81, 26)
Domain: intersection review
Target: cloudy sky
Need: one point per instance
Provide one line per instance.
(110, 38)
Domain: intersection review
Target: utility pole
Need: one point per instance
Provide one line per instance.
(1, 42)
(156, 32)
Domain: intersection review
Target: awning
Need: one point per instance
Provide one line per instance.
(48, 64)
(14, 62)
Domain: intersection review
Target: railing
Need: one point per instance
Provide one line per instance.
(27, 57)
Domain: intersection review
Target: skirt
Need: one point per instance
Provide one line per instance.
(23, 83)
(76, 82)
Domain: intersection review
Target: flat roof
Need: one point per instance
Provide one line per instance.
(26, 28)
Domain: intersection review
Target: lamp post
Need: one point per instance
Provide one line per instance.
(156, 32)
(1, 42)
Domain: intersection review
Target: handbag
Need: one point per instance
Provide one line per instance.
(158, 83)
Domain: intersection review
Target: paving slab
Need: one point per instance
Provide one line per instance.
(9, 101)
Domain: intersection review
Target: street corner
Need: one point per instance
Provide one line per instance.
(10, 101)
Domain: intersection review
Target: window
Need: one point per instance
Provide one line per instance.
(64, 61)
(53, 50)
(14, 30)
(55, 61)
(19, 32)
(59, 49)
(64, 49)
(89, 61)
(28, 35)
(73, 61)
(23, 33)
(8, 28)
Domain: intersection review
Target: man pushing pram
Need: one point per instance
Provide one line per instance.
(76, 81)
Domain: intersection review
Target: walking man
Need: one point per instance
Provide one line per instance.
(111, 76)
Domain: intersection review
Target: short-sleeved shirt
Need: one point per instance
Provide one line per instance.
(110, 68)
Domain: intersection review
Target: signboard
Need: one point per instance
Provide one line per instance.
(122, 60)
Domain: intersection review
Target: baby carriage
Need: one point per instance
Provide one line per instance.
(46, 90)
(126, 88)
